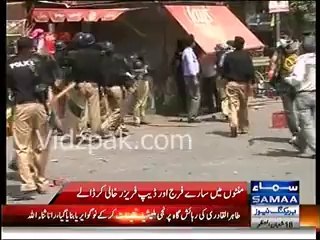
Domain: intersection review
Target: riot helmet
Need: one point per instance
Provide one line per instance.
(133, 57)
(78, 37)
(88, 40)
(108, 47)
(138, 66)
(60, 45)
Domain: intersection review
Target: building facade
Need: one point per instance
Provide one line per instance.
(255, 14)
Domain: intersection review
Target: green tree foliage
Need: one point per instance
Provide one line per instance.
(303, 6)
(301, 17)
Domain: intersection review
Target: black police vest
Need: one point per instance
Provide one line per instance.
(114, 69)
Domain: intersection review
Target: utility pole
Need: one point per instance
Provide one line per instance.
(278, 26)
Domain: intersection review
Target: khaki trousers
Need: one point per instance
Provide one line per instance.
(103, 107)
(221, 88)
(237, 95)
(58, 108)
(31, 142)
(141, 100)
(84, 98)
(114, 97)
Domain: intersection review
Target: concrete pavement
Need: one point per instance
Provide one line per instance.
(264, 154)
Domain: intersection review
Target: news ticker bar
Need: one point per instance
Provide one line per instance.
(119, 215)
(147, 215)
(153, 193)
(152, 233)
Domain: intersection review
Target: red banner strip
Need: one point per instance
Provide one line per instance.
(76, 15)
(133, 215)
(199, 193)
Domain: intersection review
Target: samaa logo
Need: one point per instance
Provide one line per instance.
(275, 199)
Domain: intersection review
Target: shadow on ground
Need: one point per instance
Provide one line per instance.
(220, 133)
(13, 191)
(280, 153)
(13, 176)
(214, 119)
(268, 139)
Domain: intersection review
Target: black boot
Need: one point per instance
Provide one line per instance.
(234, 132)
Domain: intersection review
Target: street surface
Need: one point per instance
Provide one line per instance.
(264, 154)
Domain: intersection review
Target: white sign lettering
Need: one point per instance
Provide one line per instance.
(278, 6)
(199, 15)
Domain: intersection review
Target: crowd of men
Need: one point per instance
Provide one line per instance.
(94, 81)
(85, 84)
(231, 79)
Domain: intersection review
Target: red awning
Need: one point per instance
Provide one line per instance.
(212, 25)
(76, 15)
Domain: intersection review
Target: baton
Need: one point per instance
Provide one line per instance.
(63, 92)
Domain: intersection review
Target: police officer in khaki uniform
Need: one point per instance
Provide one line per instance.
(85, 63)
(116, 76)
(140, 71)
(238, 70)
(28, 77)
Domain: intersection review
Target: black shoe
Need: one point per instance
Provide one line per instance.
(242, 132)
(106, 136)
(124, 129)
(234, 132)
(195, 120)
(296, 145)
(60, 133)
(144, 123)
(119, 134)
(13, 165)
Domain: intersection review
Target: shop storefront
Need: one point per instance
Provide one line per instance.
(16, 24)
(152, 29)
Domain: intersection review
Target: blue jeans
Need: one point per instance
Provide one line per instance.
(305, 104)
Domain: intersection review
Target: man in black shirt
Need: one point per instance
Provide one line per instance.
(28, 77)
(85, 62)
(238, 70)
(116, 75)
